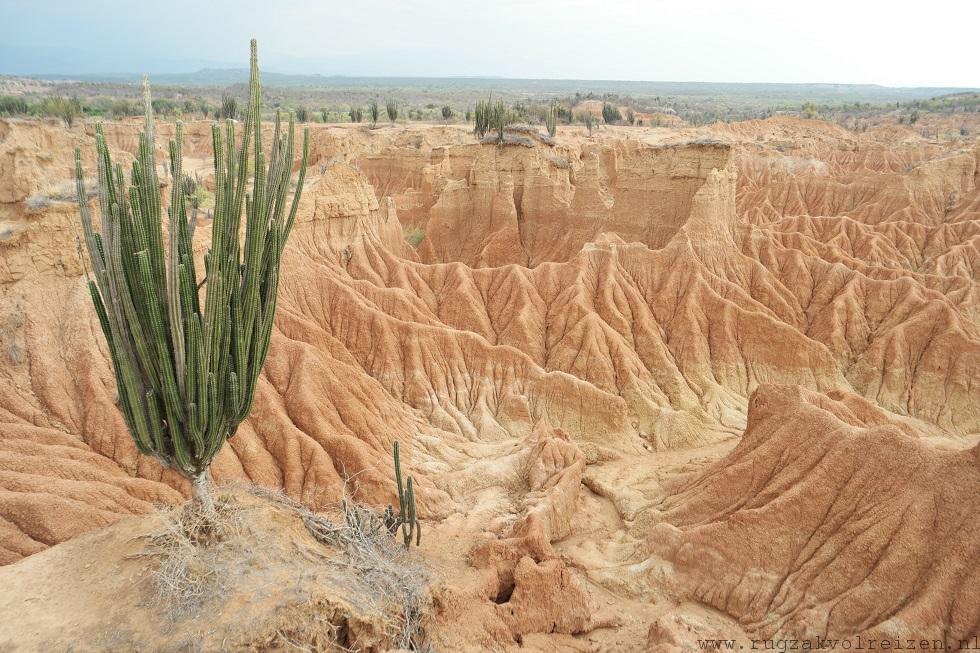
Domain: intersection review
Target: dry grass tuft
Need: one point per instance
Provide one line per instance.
(200, 558)
(62, 192)
(187, 547)
(509, 139)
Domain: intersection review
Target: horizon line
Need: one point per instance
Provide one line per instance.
(106, 76)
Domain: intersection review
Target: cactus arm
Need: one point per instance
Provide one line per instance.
(411, 513)
(398, 481)
(299, 184)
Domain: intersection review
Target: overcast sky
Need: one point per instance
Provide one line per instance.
(855, 41)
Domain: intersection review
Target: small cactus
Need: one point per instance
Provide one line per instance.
(406, 502)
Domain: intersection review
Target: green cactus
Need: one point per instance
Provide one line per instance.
(406, 501)
(551, 119)
(229, 107)
(500, 118)
(481, 117)
(185, 370)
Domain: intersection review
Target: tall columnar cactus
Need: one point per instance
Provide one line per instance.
(551, 119)
(500, 118)
(186, 369)
(406, 502)
(391, 108)
(481, 117)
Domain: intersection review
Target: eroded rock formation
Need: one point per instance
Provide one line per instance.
(570, 357)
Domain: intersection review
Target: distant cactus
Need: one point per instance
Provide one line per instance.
(229, 107)
(610, 114)
(373, 110)
(551, 119)
(391, 107)
(323, 115)
(406, 501)
(356, 114)
(589, 121)
(500, 117)
(186, 371)
(481, 117)
(494, 116)
(447, 112)
(189, 183)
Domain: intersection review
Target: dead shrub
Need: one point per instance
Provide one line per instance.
(190, 558)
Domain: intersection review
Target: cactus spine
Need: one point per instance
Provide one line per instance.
(185, 370)
(406, 501)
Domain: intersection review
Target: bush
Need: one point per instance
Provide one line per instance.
(630, 116)
(415, 237)
(59, 107)
(447, 112)
(199, 198)
(12, 106)
(123, 108)
(166, 107)
(302, 114)
(610, 114)
(391, 107)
